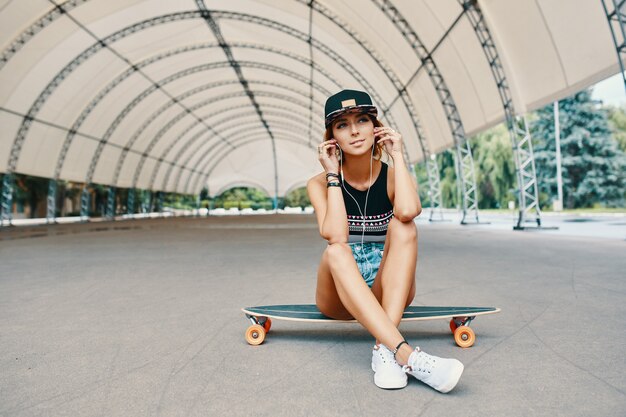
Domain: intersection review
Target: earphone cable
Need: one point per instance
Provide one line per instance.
(363, 212)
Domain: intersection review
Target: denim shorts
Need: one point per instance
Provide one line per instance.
(368, 256)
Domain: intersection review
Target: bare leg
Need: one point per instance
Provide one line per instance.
(394, 286)
(342, 293)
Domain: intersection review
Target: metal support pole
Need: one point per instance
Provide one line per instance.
(110, 209)
(146, 201)
(467, 181)
(617, 24)
(52, 201)
(159, 202)
(84, 203)
(528, 195)
(447, 101)
(7, 198)
(559, 178)
(434, 191)
(130, 204)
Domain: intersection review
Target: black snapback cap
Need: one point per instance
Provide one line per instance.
(347, 101)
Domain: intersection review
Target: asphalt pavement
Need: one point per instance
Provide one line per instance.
(142, 318)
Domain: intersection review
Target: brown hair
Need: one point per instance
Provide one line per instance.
(379, 147)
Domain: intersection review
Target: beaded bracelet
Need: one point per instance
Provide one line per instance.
(331, 174)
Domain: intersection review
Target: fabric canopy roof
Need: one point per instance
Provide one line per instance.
(179, 95)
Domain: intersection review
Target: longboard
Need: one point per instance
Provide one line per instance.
(460, 319)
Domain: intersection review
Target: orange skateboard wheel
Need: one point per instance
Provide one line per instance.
(267, 325)
(464, 336)
(255, 334)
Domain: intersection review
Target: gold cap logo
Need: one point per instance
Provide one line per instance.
(348, 103)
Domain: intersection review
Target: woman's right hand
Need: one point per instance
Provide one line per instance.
(328, 157)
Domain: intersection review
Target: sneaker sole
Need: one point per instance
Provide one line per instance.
(397, 384)
(458, 371)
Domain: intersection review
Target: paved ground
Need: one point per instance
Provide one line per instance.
(142, 318)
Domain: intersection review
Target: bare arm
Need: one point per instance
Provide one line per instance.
(329, 210)
(328, 201)
(406, 202)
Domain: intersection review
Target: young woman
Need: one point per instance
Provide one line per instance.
(365, 210)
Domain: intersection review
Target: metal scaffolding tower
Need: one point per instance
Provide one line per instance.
(528, 195)
(617, 24)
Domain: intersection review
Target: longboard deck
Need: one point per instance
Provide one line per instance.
(310, 312)
(461, 317)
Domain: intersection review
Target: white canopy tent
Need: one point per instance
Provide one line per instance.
(179, 95)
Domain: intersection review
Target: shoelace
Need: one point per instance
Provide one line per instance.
(423, 363)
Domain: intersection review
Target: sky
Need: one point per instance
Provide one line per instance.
(611, 91)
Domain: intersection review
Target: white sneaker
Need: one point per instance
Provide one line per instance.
(387, 373)
(441, 374)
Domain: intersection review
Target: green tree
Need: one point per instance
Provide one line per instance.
(494, 166)
(180, 201)
(593, 165)
(297, 198)
(617, 120)
(243, 197)
(32, 191)
(423, 187)
(447, 181)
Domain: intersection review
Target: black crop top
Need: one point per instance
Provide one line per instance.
(378, 212)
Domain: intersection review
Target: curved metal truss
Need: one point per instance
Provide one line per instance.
(181, 115)
(207, 143)
(528, 195)
(213, 125)
(219, 147)
(89, 108)
(211, 21)
(122, 77)
(215, 161)
(157, 113)
(202, 134)
(35, 28)
(380, 62)
(105, 42)
(311, 72)
(209, 16)
(617, 17)
(465, 161)
(100, 96)
(195, 151)
(196, 184)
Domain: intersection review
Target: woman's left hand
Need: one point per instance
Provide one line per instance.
(391, 140)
